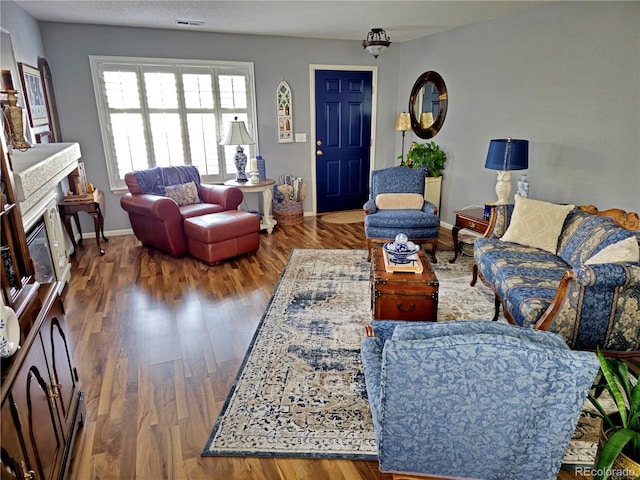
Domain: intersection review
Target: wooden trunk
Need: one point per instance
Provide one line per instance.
(403, 296)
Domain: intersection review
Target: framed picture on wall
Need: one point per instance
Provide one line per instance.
(285, 118)
(34, 95)
(44, 137)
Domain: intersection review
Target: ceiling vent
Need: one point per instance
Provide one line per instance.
(191, 23)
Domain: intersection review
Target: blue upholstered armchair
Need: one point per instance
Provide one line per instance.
(397, 205)
(473, 398)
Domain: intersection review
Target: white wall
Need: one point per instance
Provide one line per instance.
(25, 34)
(565, 76)
(67, 47)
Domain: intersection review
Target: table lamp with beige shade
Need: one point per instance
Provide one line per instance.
(403, 124)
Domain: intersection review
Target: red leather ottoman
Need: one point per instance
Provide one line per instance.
(222, 235)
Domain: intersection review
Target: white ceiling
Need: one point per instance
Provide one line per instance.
(343, 20)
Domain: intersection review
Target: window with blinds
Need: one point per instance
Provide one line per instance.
(161, 112)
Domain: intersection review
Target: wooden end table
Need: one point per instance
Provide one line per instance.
(94, 206)
(471, 219)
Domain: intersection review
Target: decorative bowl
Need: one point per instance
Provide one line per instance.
(9, 332)
(400, 252)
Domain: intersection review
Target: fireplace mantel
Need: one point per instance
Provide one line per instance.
(40, 169)
(37, 173)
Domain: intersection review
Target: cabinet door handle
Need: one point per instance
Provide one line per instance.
(472, 224)
(27, 474)
(53, 393)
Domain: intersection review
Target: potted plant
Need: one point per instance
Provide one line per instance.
(620, 433)
(427, 156)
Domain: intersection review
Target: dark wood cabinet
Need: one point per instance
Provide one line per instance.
(14, 461)
(36, 420)
(63, 375)
(42, 405)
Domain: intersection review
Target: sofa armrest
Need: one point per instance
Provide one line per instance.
(371, 355)
(431, 331)
(148, 205)
(429, 207)
(226, 196)
(499, 220)
(608, 275)
(370, 206)
(384, 329)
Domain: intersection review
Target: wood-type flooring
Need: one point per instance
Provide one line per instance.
(158, 342)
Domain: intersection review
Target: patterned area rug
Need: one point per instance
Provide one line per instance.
(300, 391)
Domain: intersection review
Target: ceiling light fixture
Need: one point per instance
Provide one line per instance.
(377, 41)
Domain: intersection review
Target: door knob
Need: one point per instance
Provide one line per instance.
(319, 153)
(319, 142)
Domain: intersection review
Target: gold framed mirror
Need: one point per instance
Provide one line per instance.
(428, 104)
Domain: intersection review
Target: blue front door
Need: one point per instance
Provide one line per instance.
(343, 137)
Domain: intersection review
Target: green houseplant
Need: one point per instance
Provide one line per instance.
(621, 427)
(427, 156)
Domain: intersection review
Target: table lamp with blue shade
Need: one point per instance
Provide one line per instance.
(506, 154)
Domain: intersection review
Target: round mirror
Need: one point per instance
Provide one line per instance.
(428, 104)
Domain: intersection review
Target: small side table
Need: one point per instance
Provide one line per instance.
(265, 186)
(471, 219)
(94, 206)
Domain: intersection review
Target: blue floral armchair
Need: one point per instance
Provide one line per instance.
(473, 398)
(404, 210)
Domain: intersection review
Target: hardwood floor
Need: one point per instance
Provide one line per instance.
(158, 342)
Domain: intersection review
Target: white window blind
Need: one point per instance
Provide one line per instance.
(163, 112)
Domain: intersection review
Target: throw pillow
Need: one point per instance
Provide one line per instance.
(397, 201)
(183, 194)
(626, 250)
(535, 223)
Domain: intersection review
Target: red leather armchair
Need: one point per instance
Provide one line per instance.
(157, 221)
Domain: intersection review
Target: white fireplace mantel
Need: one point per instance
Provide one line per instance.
(40, 169)
(37, 173)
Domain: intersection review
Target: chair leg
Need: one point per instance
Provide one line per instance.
(474, 273)
(434, 247)
(496, 313)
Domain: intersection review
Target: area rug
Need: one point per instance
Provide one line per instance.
(349, 216)
(300, 391)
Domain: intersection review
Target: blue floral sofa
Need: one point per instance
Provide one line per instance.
(583, 289)
(473, 398)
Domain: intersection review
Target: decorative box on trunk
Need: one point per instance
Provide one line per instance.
(403, 295)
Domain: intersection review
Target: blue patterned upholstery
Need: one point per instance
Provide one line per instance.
(502, 214)
(422, 224)
(474, 399)
(601, 307)
(584, 235)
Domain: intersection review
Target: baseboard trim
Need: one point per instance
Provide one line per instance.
(110, 233)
